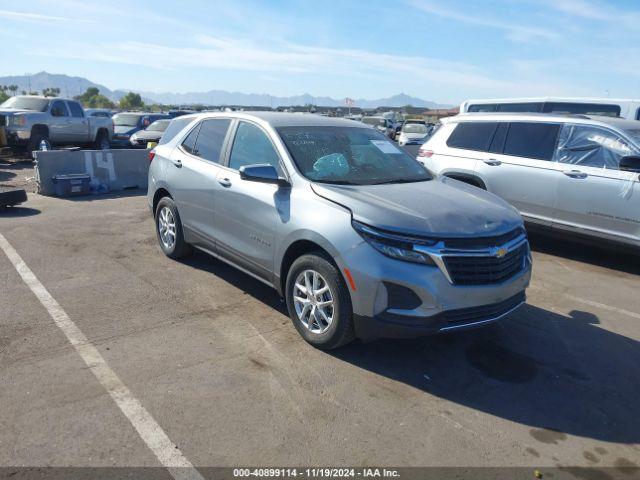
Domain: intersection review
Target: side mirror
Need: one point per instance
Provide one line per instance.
(263, 173)
(630, 163)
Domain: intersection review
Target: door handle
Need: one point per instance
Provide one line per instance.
(225, 182)
(574, 173)
(177, 163)
(493, 162)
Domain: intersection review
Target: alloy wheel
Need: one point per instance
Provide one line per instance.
(313, 301)
(167, 227)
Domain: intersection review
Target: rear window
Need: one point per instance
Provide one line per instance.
(173, 129)
(582, 108)
(520, 107)
(189, 143)
(489, 107)
(531, 140)
(472, 135)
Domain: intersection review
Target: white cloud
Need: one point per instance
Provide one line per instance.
(36, 17)
(513, 31)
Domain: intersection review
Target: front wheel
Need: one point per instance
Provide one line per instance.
(319, 302)
(102, 141)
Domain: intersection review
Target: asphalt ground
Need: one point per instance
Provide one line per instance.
(210, 355)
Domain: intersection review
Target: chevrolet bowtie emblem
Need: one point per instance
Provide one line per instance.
(501, 252)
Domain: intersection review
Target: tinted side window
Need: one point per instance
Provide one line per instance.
(189, 143)
(252, 145)
(211, 138)
(582, 108)
(638, 114)
(173, 129)
(591, 147)
(497, 144)
(472, 135)
(491, 107)
(58, 109)
(520, 107)
(76, 110)
(531, 140)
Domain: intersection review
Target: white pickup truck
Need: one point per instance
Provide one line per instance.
(29, 119)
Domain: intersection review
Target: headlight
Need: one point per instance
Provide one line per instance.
(18, 120)
(394, 245)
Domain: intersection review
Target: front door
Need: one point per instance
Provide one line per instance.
(247, 213)
(593, 195)
(519, 168)
(59, 125)
(193, 176)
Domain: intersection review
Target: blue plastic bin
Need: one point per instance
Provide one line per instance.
(72, 184)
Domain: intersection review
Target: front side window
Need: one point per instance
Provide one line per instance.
(531, 140)
(589, 146)
(58, 109)
(349, 156)
(472, 135)
(76, 110)
(251, 146)
(211, 139)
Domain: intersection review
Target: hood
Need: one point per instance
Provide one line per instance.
(11, 111)
(441, 207)
(148, 135)
(120, 129)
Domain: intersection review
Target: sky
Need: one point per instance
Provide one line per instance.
(444, 51)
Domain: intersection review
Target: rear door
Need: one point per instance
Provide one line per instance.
(593, 195)
(248, 213)
(192, 176)
(520, 167)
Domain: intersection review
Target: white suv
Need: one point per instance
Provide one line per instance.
(569, 172)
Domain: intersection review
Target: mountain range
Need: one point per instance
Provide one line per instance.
(71, 86)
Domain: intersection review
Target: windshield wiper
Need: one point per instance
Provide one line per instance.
(402, 180)
(337, 182)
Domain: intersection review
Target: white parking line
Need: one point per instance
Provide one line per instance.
(602, 306)
(151, 433)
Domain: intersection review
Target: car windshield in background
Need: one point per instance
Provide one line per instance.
(158, 126)
(125, 120)
(350, 156)
(27, 103)
(415, 128)
(372, 120)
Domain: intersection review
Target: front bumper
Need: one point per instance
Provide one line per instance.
(443, 305)
(17, 136)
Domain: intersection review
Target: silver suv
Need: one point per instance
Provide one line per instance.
(355, 234)
(578, 174)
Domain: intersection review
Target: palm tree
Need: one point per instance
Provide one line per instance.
(13, 89)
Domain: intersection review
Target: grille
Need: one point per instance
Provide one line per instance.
(485, 312)
(485, 270)
(483, 242)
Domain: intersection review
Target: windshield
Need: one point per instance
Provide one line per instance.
(125, 120)
(27, 103)
(415, 128)
(635, 135)
(158, 126)
(351, 156)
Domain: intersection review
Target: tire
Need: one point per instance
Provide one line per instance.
(37, 135)
(173, 246)
(321, 334)
(102, 141)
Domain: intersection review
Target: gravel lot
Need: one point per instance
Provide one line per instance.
(211, 355)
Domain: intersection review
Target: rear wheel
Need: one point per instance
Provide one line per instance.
(319, 303)
(169, 230)
(102, 141)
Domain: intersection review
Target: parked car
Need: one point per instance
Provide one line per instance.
(150, 134)
(355, 234)
(98, 112)
(30, 119)
(413, 132)
(575, 173)
(385, 126)
(128, 123)
(610, 107)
